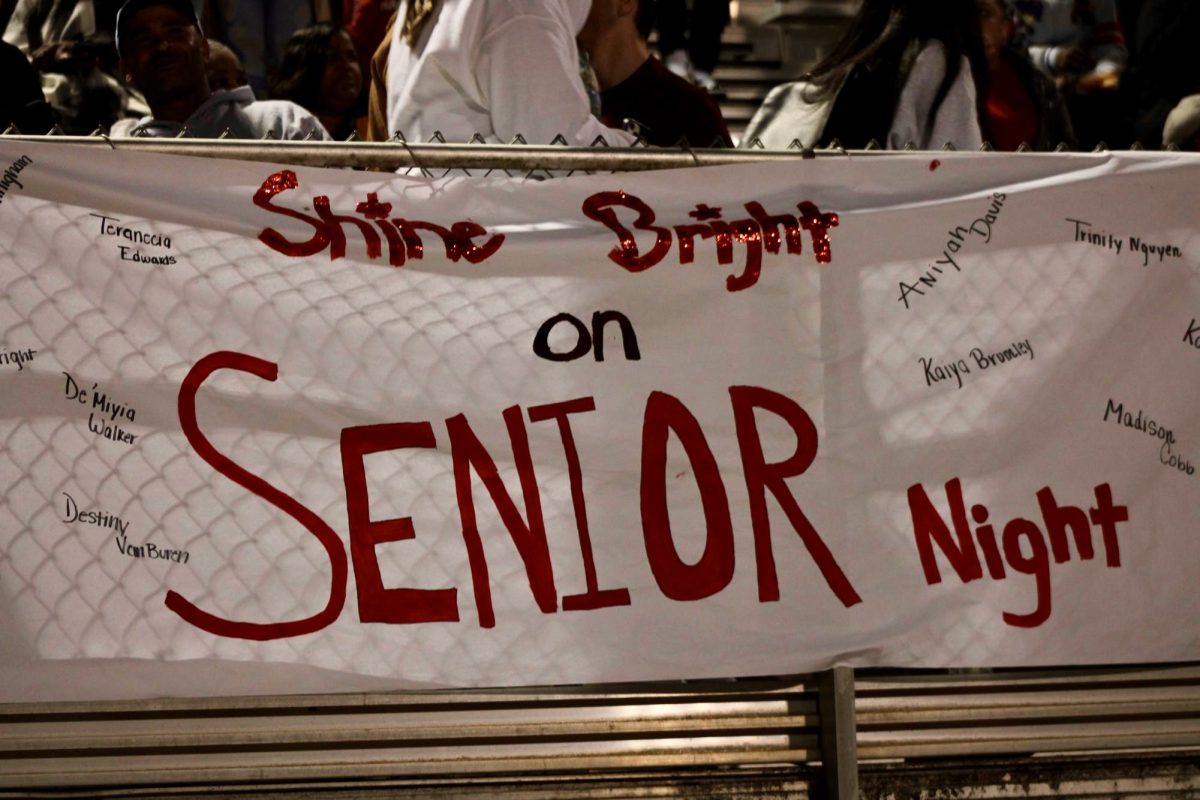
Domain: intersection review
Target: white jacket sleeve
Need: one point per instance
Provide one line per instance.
(529, 69)
(957, 119)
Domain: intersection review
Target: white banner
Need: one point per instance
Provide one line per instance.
(273, 429)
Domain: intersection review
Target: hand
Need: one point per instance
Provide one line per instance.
(1097, 82)
(1072, 60)
(66, 58)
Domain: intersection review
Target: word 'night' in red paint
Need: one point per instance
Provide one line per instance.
(959, 548)
(402, 236)
(677, 579)
(757, 232)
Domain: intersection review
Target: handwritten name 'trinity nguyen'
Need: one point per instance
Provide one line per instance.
(623, 214)
(1088, 234)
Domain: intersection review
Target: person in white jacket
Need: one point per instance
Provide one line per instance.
(496, 68)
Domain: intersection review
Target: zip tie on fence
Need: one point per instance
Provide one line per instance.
(631, 125)
(353, 137)
(1062, 147)
(805, 152)
(1024, 147)
(910, 146)
(836, 146)
(56, 131)
(100, 133)
(399, 137)
(986, 147)
(685, 145)
(1101, 147)
(949, 147)
(228, 134)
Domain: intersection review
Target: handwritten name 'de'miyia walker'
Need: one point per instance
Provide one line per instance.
(405, 239)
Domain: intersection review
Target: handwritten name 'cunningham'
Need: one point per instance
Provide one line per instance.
(9, 178)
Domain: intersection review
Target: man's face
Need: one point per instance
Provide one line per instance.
(163, 53)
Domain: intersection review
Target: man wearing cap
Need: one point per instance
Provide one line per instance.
(164, 54)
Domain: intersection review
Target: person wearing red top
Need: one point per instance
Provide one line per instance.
(1022, 105)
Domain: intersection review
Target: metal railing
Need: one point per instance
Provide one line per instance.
(439, 156)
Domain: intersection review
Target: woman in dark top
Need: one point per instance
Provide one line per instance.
(319, 70)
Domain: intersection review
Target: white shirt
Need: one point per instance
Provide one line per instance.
(497, 68)
(237, 111)
(957, 119)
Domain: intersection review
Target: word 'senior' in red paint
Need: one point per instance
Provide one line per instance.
(676, 578)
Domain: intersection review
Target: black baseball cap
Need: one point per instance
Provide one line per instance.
(131, 7)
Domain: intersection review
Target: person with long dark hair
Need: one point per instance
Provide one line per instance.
(319, 70)
(906, 71)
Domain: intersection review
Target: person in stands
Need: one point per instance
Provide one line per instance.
(70, 44)
(690, 39)
(164, 54)
(1023, 105)
(1080, 44)
(225, 70)
(492, 68)
(1166, 67)
(319, 70)
(22, 104)
(904, 72)
(636, 86)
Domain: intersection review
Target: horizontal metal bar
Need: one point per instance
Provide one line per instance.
(334, 763)
(1054, 738)
(685, 694)
(392, 156)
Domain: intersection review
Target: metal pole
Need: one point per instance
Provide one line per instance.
(395, 155)
(839, 745)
